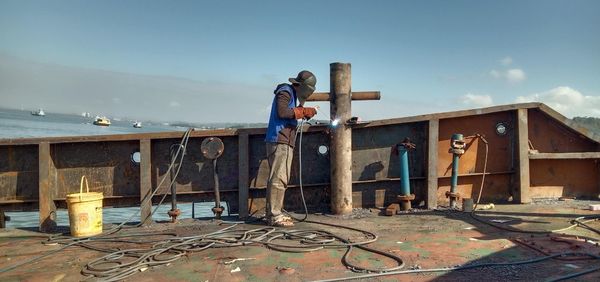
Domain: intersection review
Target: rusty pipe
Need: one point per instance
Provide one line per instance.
(218, 209)
(174, 212)
(356, 96)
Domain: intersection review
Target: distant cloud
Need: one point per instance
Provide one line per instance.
(174, 104)
(506, 61)
(495, 74)
(477, 101)
(116, 100)
(567, 101)
(515, 75)
(512, 76)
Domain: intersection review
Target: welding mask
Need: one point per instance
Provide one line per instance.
(305, 84)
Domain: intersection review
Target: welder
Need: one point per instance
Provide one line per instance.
(287, 108)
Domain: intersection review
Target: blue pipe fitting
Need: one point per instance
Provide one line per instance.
(457, 148)
(405, 196)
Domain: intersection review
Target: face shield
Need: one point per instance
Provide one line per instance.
(304, 91)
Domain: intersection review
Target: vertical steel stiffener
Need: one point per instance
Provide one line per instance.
(457, 148)
(405, 196)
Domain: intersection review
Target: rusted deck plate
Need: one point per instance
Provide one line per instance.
(425, 239)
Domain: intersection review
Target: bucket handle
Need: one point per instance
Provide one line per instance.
(81, 186)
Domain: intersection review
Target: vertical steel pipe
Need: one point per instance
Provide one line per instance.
(174, 212)
(405, 196)
(218, 209)
(457, 145)
(341, 138)
(404, 174)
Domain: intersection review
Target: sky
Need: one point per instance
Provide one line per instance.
(219, 61)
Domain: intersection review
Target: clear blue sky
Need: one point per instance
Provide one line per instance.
(424, 56)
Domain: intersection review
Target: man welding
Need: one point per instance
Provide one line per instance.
(281, 138)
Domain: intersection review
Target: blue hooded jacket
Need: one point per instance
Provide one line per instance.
(276, 123)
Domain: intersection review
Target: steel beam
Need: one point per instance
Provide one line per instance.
(243, 174)
(145, 181)
(523, 195)
(565, 156)
(46, 191)
(356, 96)
(432, 163)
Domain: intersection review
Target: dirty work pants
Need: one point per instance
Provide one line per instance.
(280, 163)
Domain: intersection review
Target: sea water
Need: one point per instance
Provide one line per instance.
(22, 124)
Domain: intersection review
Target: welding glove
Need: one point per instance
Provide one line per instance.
(309, 112)
(302, 112)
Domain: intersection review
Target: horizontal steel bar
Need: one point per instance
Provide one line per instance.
(478, 174)
(356, 96)
(564, 156)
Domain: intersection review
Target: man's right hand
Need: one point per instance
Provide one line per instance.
(302, 112)
(309, 112)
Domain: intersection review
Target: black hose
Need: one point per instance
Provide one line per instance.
(471, 266)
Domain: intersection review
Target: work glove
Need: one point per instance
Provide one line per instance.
(302, 112)
(309, 112)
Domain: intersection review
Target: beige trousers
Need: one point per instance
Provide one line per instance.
(280, 163)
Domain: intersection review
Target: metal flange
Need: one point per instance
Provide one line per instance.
(457, 151)
(406, 197)
(452, 195)
(218, 211)
(174, 214)
(405, 201)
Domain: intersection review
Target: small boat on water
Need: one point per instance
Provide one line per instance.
(86, 114)
(39, 113)
(137, 124)
(102, 121)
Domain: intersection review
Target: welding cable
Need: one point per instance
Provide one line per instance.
(472, 266)
(300, 173)
(124, 263)
(577, 274)
(299, 130)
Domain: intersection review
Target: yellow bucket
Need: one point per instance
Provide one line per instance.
(85, 211)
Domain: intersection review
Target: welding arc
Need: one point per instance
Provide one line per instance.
(71, 241)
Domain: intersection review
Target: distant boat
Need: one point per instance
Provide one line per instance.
(86, 115)
(39, 113)
(137, 124)
(102, 121)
